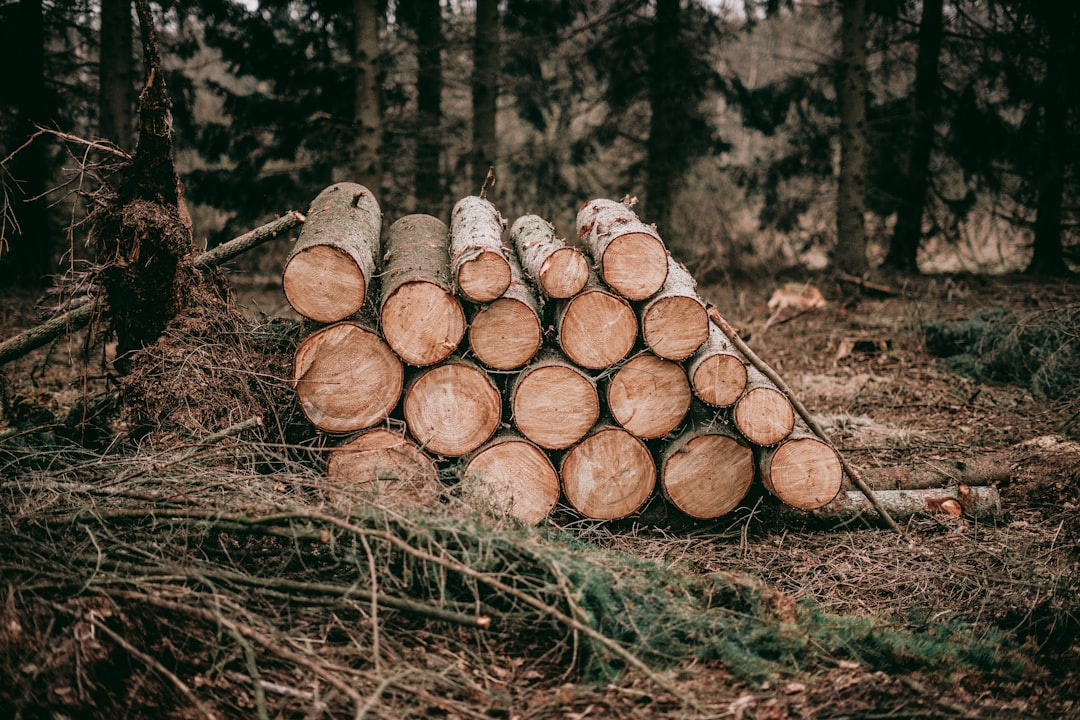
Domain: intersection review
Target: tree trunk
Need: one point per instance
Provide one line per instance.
(507, 333)
(558, 269)
(386, 467)
(608, 475)
(717, 372)
(595, 328)
(331, 266)
(630, 255)
(707, 471)
(453, 408)
(511, 476)
(367, 104)
(649, 396)
(674, 323)
(554, 403)
(420, 317)
(429, 87)
(116, 74)
(346, 377)
(478, 259)
(762, 413)
(972, 501)
(664, 156)
(851, 191)
(904, 246)
(802, 471)
(485, 90)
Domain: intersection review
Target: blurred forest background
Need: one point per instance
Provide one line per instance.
(758, 135)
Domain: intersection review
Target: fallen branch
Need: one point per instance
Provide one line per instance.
(961, 501)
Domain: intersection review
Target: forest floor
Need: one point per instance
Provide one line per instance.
(1007, 587)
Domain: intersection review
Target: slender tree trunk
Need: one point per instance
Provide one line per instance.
(662, 148)
(429, 82)
(851, 192)
(115, 74)
(485, 90)
(904, 246)
(367, 110)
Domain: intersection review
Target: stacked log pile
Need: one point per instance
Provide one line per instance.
(538, 369)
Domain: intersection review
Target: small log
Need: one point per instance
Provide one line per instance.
(385, 464)
(452, 408)
(595, 328)
(803, 471)
(970, 501)
(329, 271)
(649, 396)
(762, 413)
(674, 323)
(553, 402)
(346, 377)
(706, 471)
(478, 260)
(420, 317)
(717, 372)
(511, 476)
(558, 269)
(630, 255)
(506, 333)
(608, 475)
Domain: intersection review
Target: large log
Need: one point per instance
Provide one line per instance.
(608, 475)
(803, 471)
(452, 408)
(595, 328)
(707, 471)
(717, 372)
(648, 395)
(674, 323)
(507, 332)
(384, 465)
(478, 259)
(511, 476)
(346, 377)
(420, 317)
(329, 271)
(763, 414)
(553, 402)
(630, 255)
(557, 269)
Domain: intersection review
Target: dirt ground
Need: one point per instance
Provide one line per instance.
(861, 365)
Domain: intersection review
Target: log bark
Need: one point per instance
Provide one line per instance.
(608, 475)
(674, 323)
(329, 271)
(630, 255)
(511, 476)
(386, 465)
(717, 371)
(706, 471)
(649, 396)
(453, 408)
(554, 403)
(803, 471)
(595, 328)
(506, 333)
(346, 377)
(557, 269)
(970, 501)
(479, 261)
(420, 317)
(762, 413)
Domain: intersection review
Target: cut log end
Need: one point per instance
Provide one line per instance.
(555, 405)
(608, 475)
(506, 334)
(635, 265)
(564, 273)
(675, 327)
(384, 466)
(511, 476)
(485, 277)
(764, 416)
(708, 475)
(324, 283)
(649, 396)
(422, 322)
(452, 409)
(597, 329)
(802, 472)
(719, 379)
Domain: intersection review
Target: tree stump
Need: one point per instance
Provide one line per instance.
(452, 408)
(608, 475)
(511, 476)
(630, 255)
(557, 269)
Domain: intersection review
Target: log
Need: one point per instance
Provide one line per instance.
(630, 255)
(674, 323)
(762, 413)
(649, 396)
(346, 377)
(452, 408)
(329, 271)
(385, 464)
(595, 328)
(420, 317)
(559, 270)
(478, 259)
(803, 471)
(717, 372)
(608, 475)
(511, 476)
(706, 471)
(553, 402)
(970, 501)
(507, 332)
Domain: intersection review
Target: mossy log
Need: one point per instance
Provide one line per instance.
(648, 395)
(421, 318)
(553, 402)
(674, 323)
(717, 372)
(595, 328)
(330, 268)
(706, 471)
(385, 465)
(763, 414)
(608, 475)
(507, 332)
(511, 476)
(802, 471)
(557, 269)
(452, 408)
(478, 259)
(630, 255)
